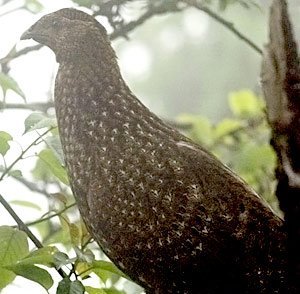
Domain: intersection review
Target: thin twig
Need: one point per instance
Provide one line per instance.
(40, 106)
(51, 216)
(31, 186)
(122, 32)
(25, 229)
(131, 25)
(6, 171)
(13, 54)
(225, 23)
(14, 9)
(20, 223)
(6, 205)
(90, 240)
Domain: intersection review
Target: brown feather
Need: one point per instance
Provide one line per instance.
(165, 210)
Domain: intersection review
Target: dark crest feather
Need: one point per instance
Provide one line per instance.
(74, 14)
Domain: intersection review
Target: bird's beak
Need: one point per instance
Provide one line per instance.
(27, 34)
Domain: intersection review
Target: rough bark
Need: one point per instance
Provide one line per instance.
(281, 86)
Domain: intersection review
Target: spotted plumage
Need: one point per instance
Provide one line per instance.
(165, 210)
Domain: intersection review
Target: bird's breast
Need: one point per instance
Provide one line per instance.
(118, 154)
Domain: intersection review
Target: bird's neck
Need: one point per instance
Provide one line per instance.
(87, 95)
(99, 69)
(89, 84)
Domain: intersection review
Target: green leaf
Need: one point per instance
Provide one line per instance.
(248, 3)
(34, 6)
(254, 158)
(223, 4)
(75, 234)
(53, 142)
(16, 173)
(86, 256)
(201, 130)
(61, 258)
(6, 277)
(113, 291)
(39, 120)
(33, 273)
(58, 236)
(102, 274)
(108, 266)
(42, 172)
(83, 269)
(70, 287)
(86, 3)
(226, 127)
(25, 203)
(32, 120)
(245, 103)
(14, 245)
(44, 256)
(48, 157)
(8, 83)
(4, 139)
(92, 290)
(60, 198)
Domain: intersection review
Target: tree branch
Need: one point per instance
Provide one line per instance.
(20, 223)
(9, 168)
(281, 87)
(6, 205)
(14, 54)
(25, 229)
(152, 11)
(31, 186)
(11, 10)
(225, 23)
(51, 216)
(121, 32)
(37, 106)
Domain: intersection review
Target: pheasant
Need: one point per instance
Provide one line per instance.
(163, 209)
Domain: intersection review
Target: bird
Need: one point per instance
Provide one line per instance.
(165, 210)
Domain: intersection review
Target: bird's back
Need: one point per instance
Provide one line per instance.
(165, 210)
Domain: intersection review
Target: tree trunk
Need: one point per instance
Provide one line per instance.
(281, 87)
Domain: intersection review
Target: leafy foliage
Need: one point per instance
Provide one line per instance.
(16, 260)
(223, 4)
(242, 141)
(8, 83)
(4, 139)
(113, 10)
(14, 245)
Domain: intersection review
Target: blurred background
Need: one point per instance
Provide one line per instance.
(185, 66)
(175, 63)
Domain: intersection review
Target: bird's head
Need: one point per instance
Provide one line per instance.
(68, 32)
